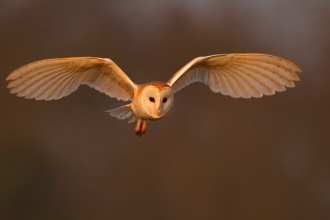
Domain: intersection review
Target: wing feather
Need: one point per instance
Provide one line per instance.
(25, 89)
(58, 84)
(235, 91)
(213, 82)
(267, 58)
(51, 86)
(277, 75)
(225, 78)
(250, 82)
(261, 82)
(123, 112)
(223, 83)
(241, 85)
(280, 70)
(238, 75)
(55, 78)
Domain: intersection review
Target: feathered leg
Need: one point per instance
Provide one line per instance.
(141, 127)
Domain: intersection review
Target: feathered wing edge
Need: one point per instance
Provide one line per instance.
(123, 112)
(238, 75)
(55, 78)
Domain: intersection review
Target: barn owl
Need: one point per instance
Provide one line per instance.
(237, 75)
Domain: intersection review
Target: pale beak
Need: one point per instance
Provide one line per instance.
(159, 109)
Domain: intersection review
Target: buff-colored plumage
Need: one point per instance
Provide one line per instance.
(236, 75)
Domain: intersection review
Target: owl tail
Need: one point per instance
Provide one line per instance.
(123, 112)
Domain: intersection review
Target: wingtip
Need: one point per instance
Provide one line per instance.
(10, 77)
(13, 91)
(14, 75)
(298, 69)
(9, 86)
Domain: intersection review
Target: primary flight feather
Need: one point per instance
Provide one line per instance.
(237, 75)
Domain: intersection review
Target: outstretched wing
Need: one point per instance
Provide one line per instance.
(238, 75)
(55, 78)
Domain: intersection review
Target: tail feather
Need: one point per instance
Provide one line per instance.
(123, 112)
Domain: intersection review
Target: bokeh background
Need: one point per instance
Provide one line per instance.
(213, 157)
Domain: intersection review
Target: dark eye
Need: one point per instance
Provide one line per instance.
(165, 100)
(151, 99)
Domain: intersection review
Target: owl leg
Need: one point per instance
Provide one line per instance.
(141, 127)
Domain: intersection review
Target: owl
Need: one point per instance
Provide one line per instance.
(236, 75)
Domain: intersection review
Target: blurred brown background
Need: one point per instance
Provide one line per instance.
(214, 157)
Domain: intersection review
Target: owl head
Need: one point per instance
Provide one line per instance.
(157, 99)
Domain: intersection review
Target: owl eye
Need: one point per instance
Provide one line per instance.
(151, 99)
(165, 100)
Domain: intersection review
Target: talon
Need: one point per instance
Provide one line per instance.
(140, 128)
